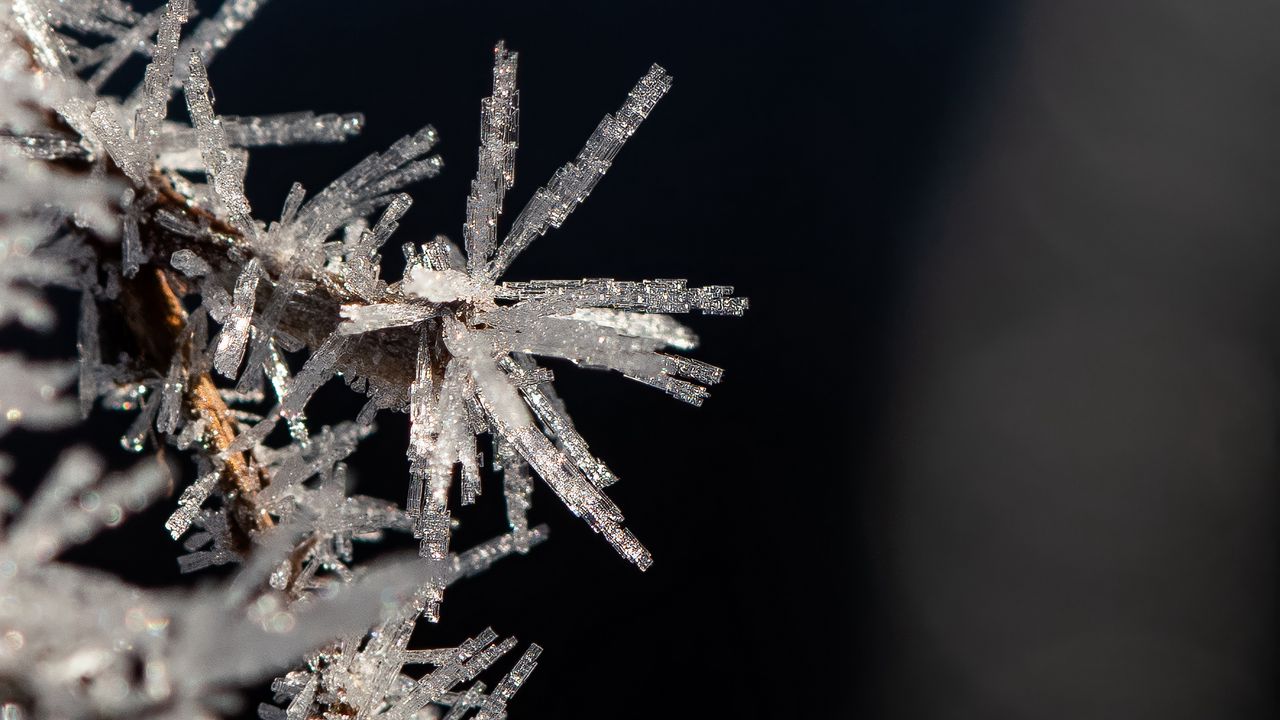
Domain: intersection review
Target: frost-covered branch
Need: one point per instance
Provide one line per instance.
(148, 218)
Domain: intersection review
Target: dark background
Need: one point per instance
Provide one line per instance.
(997, 436)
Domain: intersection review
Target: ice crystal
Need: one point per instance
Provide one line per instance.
(148, 653)
(148, 218)
(29, 394)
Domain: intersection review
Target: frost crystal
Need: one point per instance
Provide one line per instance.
(235, 331)
(189, 303)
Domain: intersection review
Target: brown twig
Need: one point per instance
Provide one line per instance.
(156, 319)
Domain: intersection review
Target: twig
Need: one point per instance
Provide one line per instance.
(156, 319)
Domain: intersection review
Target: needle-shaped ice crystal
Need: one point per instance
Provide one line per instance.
(235, 331)
(571, 184)
(224, 165)
(499, 129)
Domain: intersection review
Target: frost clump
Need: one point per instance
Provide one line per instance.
(147, 218)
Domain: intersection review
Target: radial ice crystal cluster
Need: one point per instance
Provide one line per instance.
(207, 307)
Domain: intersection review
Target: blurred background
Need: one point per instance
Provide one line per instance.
(997, 438)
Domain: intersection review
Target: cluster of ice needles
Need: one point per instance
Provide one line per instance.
(146, 217)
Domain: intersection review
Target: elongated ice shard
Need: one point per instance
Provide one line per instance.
(296, 128)
(169, 414)
(649, 296)
(89, 348)
(224, 165)
(131, 244)
(190, 501)
(292, 129)
(361, 189)
(557, 424)
(571, 184)
(120, 146)
(29, 394)
(499, 128)
(577, 493)
(46, 147)
(65, 512)
(235, 330)
(262, 347)
(214, 33)
(155, 83)
(357, 319)
(315, 372)
(494, 706)
(662, 328)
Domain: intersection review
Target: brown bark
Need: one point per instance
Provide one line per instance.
(156, 319)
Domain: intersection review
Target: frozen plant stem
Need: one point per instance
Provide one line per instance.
(156, 320)
(147, 216)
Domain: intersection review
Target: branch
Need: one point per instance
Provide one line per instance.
(156, 319)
